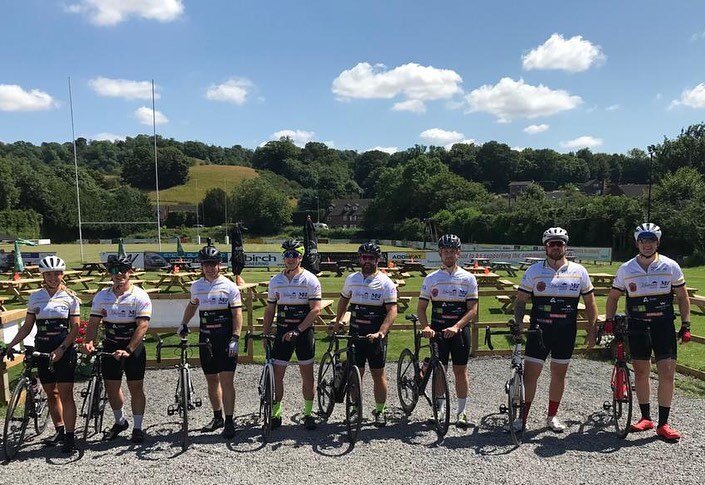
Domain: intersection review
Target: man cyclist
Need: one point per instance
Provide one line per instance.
(554, 287)
(453, 294)
(220, 314)
(650, 280)
(125, 310)
(372, 297)
(295, 296)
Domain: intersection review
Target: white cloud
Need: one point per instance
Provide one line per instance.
(437, 136)
(697, 36)
(613, 107)
(534, 129)
(390, 150)
(659, 96)
(15, 98)
(574, 54)
(582, 142)
(413, 105)
(299, 137)
(232, 91)
(693, 98)
(108, 137)
(123, 88)
(414, 82)
(518, 149)
(144, 116)
(112, 12)
(510, 99)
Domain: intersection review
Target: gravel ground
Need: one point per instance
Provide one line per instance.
(406, 451)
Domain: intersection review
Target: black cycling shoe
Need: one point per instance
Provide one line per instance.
(216, 423)
(276, 422)
(137, 436)
(309, 423)
(113, 432)
(229, 430)
(69, 445)
(54, 440)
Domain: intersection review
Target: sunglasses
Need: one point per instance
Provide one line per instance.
(555, 244)
(115, 270)
(209, 263)
(367, 257)
(648, 239)
(292, 254)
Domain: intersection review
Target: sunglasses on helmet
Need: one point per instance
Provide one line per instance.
(292, 254)
(554, 244)
(122, 268)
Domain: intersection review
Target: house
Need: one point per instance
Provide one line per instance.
(627, 190)
(346, 213)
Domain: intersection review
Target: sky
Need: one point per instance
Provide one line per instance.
(384, 74)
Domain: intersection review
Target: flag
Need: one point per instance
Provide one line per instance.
(237, 251)
(19, 266)
(121, 249)
(311, 257)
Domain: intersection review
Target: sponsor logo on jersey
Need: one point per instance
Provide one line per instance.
(632, 286)
(434, 292)
(541, 286)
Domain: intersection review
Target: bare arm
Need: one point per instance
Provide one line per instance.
(421, 312)
(24, 330)
(237, 320)
(469, 316)
(342, 308)
(268, 317)
(591, 310)
(683, 303)
(92, 329)
(311, 316)
(520, 302)
(140, 331)
(611, 305)
(389, 318)
(189, 312)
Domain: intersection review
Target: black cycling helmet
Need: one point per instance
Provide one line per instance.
(121, 263)
(293, 245)
(369, 248)
(209, 253)
(449, 241)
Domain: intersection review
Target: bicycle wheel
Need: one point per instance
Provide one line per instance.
(41, 410)
(183, 398)
(353, 403)
(17, 419)
(267, 399)
(440, 399)
(325, 391)
(622, 397)
(101, 400)
(407, 378)
(88, 410)
(515, 406)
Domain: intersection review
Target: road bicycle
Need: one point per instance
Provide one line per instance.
(184, 400)
(94, 398)
(265, 387)
(412, 379)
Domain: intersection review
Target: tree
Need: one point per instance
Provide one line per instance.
(213, 207)
(272, 155)
(262, 208)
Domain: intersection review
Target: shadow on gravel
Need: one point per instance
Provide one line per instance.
(595, 434)
(489, 438)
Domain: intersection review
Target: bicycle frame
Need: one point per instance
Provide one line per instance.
(267, 368)
(335, 350)
(432, 345)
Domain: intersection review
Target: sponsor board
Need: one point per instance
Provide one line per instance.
(7, 259)
(432, 258)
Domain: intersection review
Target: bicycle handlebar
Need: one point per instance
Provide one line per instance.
(533, 330)
(259, 336)
(621, 327)
(183, 345)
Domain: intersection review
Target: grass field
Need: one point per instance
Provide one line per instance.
(201, 179)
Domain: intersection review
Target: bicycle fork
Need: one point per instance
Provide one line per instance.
(192, 403)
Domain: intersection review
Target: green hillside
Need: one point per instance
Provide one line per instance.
(201, 179)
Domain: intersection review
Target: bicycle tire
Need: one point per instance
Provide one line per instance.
(41, 410)
(16, 419)
(101, 401)
(407, 379)
(184, 383)
(267, 400)
(441, 415)
(87, 407)
(325, 391)
(622, 400)
(353, 403)
(515, 406)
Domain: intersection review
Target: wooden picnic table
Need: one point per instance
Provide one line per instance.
(2, 304)
(601, 279)
(479, 261)
(16, 287)
(90, 266)
(249, 288)
(691, 291)
(414, 266)
(475, 270)
(79, 281)
(347, 265)
(490, 279)
(529, 261)
(135, 282)
(181, 280)
(504, 266)
(330, 266)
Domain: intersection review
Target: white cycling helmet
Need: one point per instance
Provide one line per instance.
(51, 263)
(555, 233)
(647, 228)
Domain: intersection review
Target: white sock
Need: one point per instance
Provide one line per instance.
(119, 416)
(461, 405)
(138, 420)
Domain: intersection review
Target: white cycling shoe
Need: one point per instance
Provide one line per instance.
(554, 424)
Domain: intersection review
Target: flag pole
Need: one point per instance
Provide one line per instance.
(156, 169)
(75, 166)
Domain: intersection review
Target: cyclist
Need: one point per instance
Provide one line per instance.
(220, 313)
(55, 310)
(295, 296)
(373, 297)
(554, 287)
(453, 294)
(650, 280)
(125, 310)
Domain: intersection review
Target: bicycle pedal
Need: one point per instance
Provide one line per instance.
(503, 409)
(606, 405)
(84, 392)
(198, 402)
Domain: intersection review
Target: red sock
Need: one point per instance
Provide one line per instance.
(525, 413)
(553, 408)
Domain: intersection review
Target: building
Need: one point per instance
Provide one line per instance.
(627, 190)
(346, 213)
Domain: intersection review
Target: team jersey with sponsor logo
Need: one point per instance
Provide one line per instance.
(120, 313)
(368, 299)
(52, 315)
(555, 294)
(292, 297)
(650, 291)
(215, 300)
(449, 294)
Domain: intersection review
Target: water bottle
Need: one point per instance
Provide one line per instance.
(338, 374)
(34, 386)
(424, 366)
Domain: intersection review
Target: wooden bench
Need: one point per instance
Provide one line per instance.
(2, 304)
(30, 291)
(504, 283)
(82, 281)
(399, 282)
(507, 303)
(152, 290)
(403, 303)
(698, 301)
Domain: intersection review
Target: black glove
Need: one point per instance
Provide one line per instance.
(183, 331)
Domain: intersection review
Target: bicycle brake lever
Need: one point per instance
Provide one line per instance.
(488, 337)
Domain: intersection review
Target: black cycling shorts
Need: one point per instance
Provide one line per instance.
(304, 345)
(456, 348)
(64, 370)
(374, 352)
(661, 339)
(134, 365)
(218, 360)
(558, 341)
